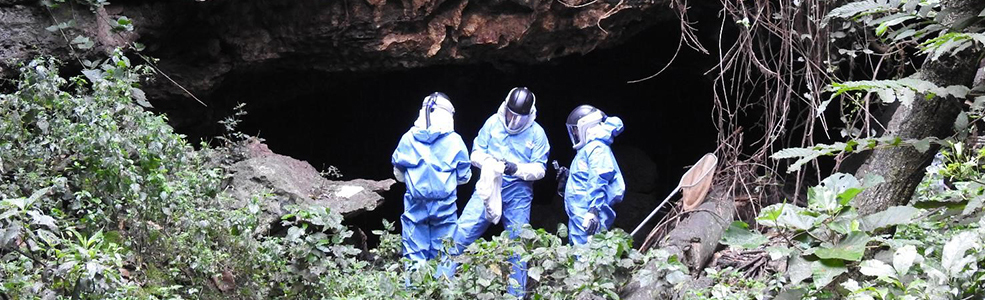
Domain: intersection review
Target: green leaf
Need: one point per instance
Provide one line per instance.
(62, 25)
(833, 192)
(777, 252)
(93, 75)
(821, 198)
(141, 98)
(952, 256)
(852, 286)
(886, 95)
(795, 166)
(786, 216)
(792, 153)
(892, 216)
(846, 197)
(15, 202)
(535, 272)
(123, 24)
(48, 237)
(961, 122)
(921, 145)
(675, 277)
(739, 235)
(38, 218)
(791, 294)
(8, 213)
(82, 42)
(12, 232)
(294, 233)
(769, 215)
(799, 269)
(562, 230)
(973, 205)
(844, 226)
(822, 107)
(851, 248)
(877, 268)
(903, 259)
(978, 105)
(824, 271)
(958, 91)
(840, 182)
(893, 21)
(853, 9)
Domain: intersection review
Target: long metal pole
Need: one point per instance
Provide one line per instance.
(654, 212)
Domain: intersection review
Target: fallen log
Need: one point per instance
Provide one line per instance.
(693, 242)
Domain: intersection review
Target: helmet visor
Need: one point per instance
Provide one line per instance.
(515, 121)
(573, 134)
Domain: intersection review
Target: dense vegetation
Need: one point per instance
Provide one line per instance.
(905, 57)
(100, 199)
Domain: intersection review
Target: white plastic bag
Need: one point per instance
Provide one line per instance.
(489, 188)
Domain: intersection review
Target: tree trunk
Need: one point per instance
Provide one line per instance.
(693, 241)
(903, 167)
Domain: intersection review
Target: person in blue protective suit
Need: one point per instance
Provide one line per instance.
(510, 139)
(594, 182)
(432, 160)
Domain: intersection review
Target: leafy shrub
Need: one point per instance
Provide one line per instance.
(833, 253)
(100, 199)
(95, 166)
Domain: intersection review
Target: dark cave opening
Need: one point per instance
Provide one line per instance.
(353, 120)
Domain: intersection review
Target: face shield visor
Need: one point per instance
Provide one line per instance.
(578, 131)
(515, 121)
(573, 134)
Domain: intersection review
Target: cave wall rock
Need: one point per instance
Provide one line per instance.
(200, 43)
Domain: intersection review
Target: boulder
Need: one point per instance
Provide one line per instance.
(281, 181)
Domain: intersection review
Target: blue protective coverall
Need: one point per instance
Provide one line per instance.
(594, 180)
(432, 161)
(528, 149)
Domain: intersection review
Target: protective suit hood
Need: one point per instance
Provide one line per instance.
(501, 114)
(442, 122)
(605, 131)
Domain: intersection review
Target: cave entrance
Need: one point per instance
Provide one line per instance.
(353, 120)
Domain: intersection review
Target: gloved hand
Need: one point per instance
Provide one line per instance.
(591, 221)
(562, 180)
(510, 168)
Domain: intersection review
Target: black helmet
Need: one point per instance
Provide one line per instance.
(520, 100)
(580, 120)
(519, 107)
